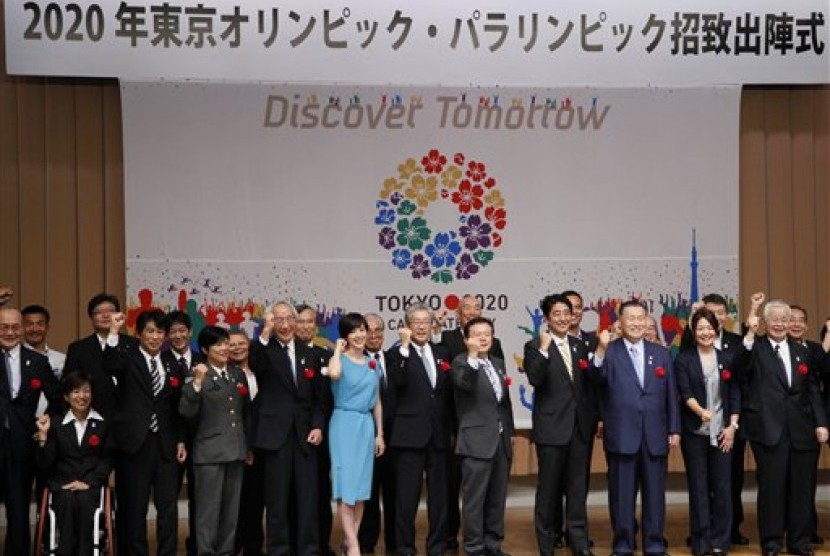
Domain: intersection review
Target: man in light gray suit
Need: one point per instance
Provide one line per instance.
(484, 439)
(217, 401)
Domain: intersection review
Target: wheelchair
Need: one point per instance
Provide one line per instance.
(47, 540)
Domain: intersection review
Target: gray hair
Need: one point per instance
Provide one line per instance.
(376, 317)
(417, 308)
(774, 305)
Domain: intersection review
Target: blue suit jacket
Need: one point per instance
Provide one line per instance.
(637, 416)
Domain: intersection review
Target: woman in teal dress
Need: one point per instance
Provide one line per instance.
(356, 426)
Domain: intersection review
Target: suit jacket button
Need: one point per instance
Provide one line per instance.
(233, 424)
(231, 411)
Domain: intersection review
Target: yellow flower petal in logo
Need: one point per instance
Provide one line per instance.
(409, 167)
(451, 176)
(422, 190)
(494, 198)
(390, 185)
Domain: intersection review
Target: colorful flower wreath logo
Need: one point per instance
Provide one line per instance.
(444, 255)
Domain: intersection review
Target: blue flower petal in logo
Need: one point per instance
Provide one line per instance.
(385, 216)
(401, 258)
(442, 252)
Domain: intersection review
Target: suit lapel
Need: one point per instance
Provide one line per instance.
(281, 361)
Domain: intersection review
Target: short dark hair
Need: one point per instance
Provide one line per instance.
(549, 301)
(715, 299)
(180, 317)
(36, 310)
(304, 307)
(74, 380)
(101, 298)
(210, 336)
(799, 308)
(631, 303)
(477, 320)
(705, 314)
(156, 316)
(351, 322)
(573, 293)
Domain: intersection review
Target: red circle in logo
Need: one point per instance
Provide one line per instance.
(451, 302)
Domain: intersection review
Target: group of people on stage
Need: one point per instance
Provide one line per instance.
(272, 429)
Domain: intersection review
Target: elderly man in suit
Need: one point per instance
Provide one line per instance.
(148, 431)
(564, 420)
(785, 424)
(485, 432)
(26, 374)
(287, 424)
(642, 421)
(216, 401)
(383, 478)
(419, 371)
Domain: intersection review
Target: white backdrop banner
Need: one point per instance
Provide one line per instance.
(370, 199)
(429, 42)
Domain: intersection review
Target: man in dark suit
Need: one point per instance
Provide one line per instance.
(469, 307)
(149, 432)
(181, 354)
(642, 421)
(419, 371)
(730, 345)
(26, 374)
(287, 425)
(564, 421)
(484, 442)
(305, 333)
(87, 354)
(785, 424)
(383, 477)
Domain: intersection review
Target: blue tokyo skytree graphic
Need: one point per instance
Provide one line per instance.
(693, 293)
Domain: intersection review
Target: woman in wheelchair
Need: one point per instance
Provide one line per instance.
(76, 457)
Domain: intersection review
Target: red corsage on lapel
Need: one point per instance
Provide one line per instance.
(94, 440)
(660, 372)
(174, 382)
(373, 364)
(242, 389)
(803, 369)
(308, 373)
(444, 366)
(583, 364)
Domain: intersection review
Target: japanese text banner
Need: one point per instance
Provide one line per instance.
(430, 42)
(371, 199)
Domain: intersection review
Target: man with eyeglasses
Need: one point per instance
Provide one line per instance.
(26, 374)
(419, 371)
(785, 424)
(87, 354)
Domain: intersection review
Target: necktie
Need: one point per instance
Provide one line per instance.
(566, 356)
(427, 364)
(638, 364)
(290, 353)
(381, 370)
(184, 366)
(155, 378)
(7, 365)
(781, 362)
(493, 376)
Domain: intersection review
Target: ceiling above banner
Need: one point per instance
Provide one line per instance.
(429, 42)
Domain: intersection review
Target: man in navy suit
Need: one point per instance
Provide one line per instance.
(25, 374)
(642, 421)
(419, 371)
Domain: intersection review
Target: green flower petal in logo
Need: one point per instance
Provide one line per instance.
(406, 208)
(413, 234)
(483, 257)
(441, 276)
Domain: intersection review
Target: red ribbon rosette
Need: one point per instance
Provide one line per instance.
(35, 384)
(508, 381)
(660, 372)
(242, 389)
(308, 373)
(94, 440)
(174, 382)
(444, 365)
(373, 364)
(803, 369)
(583, 364)
(726, 375)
